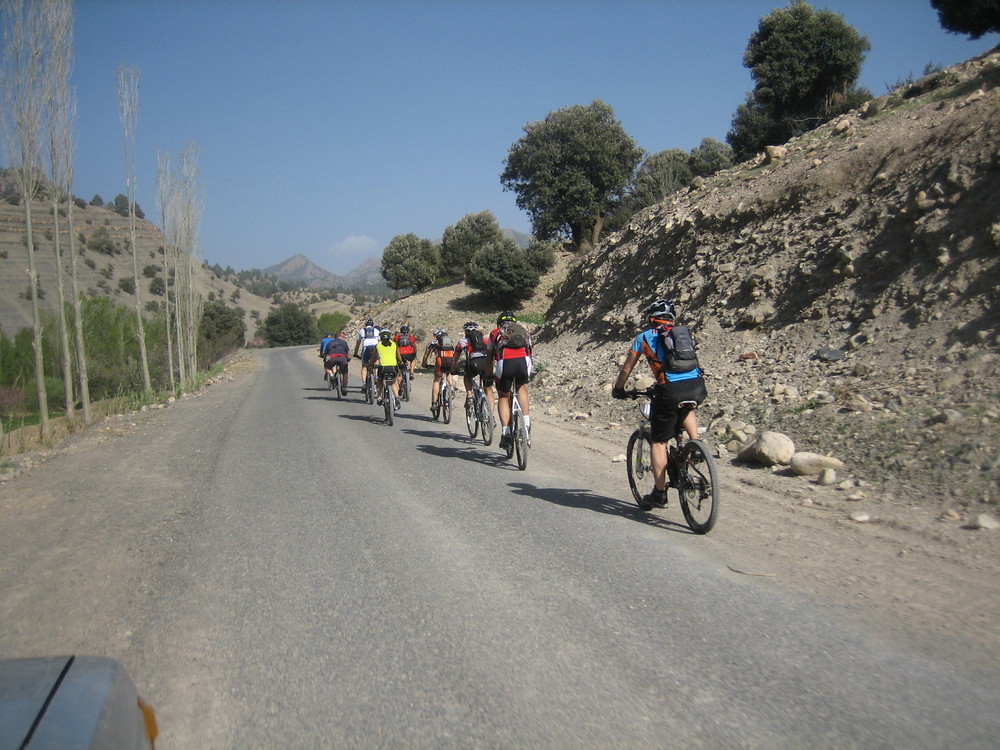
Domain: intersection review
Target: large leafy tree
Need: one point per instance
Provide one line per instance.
(804, 64)
(570, 170)
(709, 157)
(972, 17)
(288, 325)
(461, 240)
(409, 262)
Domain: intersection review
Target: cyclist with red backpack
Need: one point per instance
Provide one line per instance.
(407, 344)
(475, 348)
(670, 351)
(509, 356)
(443, 350)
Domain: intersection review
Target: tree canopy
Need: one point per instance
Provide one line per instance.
(972, 17)
(570, 170)
(409, 262)
(504, 273)
(288, 325)
(461, 241)
(804, 64)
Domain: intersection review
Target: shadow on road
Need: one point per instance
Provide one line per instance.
(588, 500)
(469, 453)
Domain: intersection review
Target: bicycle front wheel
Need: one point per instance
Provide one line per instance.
(404, 386)
(335, 384)
(370, 394)
(699, 487)
(638, 461)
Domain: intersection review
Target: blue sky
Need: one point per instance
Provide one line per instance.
(327, 128)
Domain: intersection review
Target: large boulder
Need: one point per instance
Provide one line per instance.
(808, 464)
(770, 449)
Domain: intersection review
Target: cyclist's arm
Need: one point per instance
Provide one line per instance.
(626, 370)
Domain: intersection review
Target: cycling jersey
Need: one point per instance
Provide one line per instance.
(386, 354)
(367, 341)
(336, 348)
(650, 344)
(505, 352)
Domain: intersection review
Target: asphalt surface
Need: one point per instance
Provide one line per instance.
(280, 569)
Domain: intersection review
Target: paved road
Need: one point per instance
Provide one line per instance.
(292, 573)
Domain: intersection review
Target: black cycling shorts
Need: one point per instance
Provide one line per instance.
(512, 373)
(666, 414)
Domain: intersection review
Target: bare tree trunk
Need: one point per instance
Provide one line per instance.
(58, 22)
(128, 107)
(165, 190)
(190, 215)
(22, 83)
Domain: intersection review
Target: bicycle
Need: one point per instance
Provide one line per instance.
(336, 383)
(520, 440)
(442, 407)
(404, 386)
(386, 398)
(479, 413)
(691, 470)
(370, 385)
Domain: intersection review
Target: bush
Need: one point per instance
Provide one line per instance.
(289, 325)
(502, 272)
(127, 285)
(220, 332)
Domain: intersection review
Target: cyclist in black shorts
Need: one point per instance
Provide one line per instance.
(475, 347)
(509, 350)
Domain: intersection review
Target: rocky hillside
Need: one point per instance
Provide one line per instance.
(843, 289)
(101, 267)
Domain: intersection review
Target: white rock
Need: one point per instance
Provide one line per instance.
(985, 521)
(619, 459)
(860, 517)
(770, 449)
(804, 463)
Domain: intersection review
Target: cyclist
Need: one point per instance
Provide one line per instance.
(366, 340)
(407, 344)
(671, 389)
(335, 354)
(473, 345)
(444, 352)
(385, 359)
(509, 358)
(322, 352)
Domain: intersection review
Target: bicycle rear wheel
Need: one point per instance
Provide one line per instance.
(404, 386)
(387, 403)
(370, 393)
(698, 481)
(484, 413)
(519, 433)
(638, 461)
(335, 384)
(446, 405)
(471, 420)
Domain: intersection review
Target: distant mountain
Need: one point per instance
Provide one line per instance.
(300, 270)
(520, 238)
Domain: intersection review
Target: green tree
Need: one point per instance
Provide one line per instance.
(409, 262)
(289, 325)
(570, 171)
(461, 241)
(972, 17)
(220, 332)
(804, 64)
(541, 255)
(660, 175)
(332, 322)
(503, 273)
(709, 157)
(97, 200)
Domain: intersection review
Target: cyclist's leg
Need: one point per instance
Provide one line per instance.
(468, 378)
(435, 387)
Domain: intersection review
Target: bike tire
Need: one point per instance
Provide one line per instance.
(486, 421)
(370, 393)
(471, 420)
(446, 406)
(638, 463)
(698, 484)
(336, 386)
(404, 387)
(510, 443)
(520, 439)
(387, 404)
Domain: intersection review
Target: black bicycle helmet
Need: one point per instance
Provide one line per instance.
(404, 328)
(385, 335)
(659, 312)
(506, 317)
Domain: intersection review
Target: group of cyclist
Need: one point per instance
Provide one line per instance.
(502, 358)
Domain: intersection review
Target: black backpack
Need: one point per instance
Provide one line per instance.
(681, 352)
(476, 340)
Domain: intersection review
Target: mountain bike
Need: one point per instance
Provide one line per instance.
(404, 385)
(479, 413)
(370, 385)
(386, 398)
(336, 383)
(442, 407)
(691, 470)
(520, 440)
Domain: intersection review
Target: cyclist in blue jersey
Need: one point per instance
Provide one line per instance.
(679, 383)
